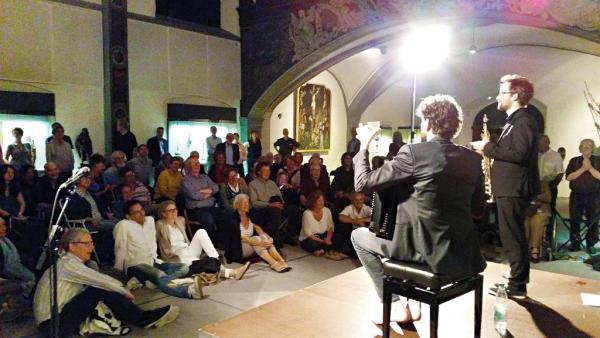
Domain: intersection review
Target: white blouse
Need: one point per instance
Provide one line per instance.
(249, 231)
(178, 243)
(311, 226)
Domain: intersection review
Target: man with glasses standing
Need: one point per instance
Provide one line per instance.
(515, 177)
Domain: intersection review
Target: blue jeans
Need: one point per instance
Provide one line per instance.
(162, 274)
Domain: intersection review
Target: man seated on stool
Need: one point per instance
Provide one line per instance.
(435, 225)
(136, 255)
(81, 287)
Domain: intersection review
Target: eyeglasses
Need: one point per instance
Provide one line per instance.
(507, 93)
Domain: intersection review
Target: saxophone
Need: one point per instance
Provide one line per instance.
(486, 163)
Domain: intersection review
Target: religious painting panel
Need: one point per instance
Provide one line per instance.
(312, 118)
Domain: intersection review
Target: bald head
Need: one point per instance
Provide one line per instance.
(51, 170)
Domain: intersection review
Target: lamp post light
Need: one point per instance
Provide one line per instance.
(424, 49)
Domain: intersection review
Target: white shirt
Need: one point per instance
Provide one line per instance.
(178, 243)
(351, 211)
(550, 164)
(311, 226)
(135, 244)
(249, 231)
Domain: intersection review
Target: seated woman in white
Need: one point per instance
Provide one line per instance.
(174, 245)
(261, 243)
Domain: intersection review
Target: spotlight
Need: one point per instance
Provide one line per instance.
(473, 49)
(426, 47)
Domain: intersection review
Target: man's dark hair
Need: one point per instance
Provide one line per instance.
(161, 128)
(123, 171)
(228, 170)
(129, 204)
(520, 85)
(444, 114)
(262, 164)
(96, 158)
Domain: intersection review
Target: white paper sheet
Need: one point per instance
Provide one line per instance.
(590, 299)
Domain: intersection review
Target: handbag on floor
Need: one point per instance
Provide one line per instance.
(205, 264)
(102, 321)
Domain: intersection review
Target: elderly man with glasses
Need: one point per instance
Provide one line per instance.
(81, 287)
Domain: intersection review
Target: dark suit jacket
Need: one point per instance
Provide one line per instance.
(515, 168)
(236, 152)
(78, 207)
(435, 225)
(154, 149)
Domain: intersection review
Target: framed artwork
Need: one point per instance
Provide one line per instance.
(312, 118)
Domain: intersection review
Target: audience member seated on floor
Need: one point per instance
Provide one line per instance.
(313, 182)
(81, 287)
(355, 215)
(289, 193)
(318, 230)
(142, 166)
(343, 182)
(217, 170)
(136, 255)
(102, 192)
(169, 181)
(138, 190)
(537, 217)
(235, 185)
(60, 152)
(377, 162)
(198, 191)
(255, 239)
(29, 184)
(83, 206)
(451, 246)
(11, 266)
(163, 164)
(583, 173)
(174, 245)
(269, 208)
(118, 161)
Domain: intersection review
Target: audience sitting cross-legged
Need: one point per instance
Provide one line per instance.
(317, 235)
(136, 255)
(175, 246)
(81, 287)
(260, 243)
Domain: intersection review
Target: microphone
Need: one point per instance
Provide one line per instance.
(85, 171)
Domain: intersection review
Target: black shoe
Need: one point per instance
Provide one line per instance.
(159, 317)
(590, 250)
(511, 291)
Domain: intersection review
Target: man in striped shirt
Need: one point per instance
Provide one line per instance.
(81, 287)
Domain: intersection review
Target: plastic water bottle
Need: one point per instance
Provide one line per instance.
(500, 308)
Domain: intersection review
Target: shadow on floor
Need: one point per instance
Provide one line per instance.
(549, 322)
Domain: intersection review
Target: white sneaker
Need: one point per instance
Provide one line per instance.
(180, 281)
(195, 289)
(148, 284)
(133, 284)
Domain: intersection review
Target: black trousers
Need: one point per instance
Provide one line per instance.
(584, 205)
(511, 223)
(221, 229)
(82, 305)
(270, 220)
(337, 243)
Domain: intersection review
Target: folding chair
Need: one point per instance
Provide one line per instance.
(73, 223)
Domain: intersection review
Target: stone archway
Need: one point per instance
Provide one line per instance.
(286, 43)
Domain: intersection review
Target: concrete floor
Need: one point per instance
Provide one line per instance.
(261, 285)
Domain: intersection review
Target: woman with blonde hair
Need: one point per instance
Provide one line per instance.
(260, 243)
(174, 245)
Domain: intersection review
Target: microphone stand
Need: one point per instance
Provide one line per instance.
(51, 250)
